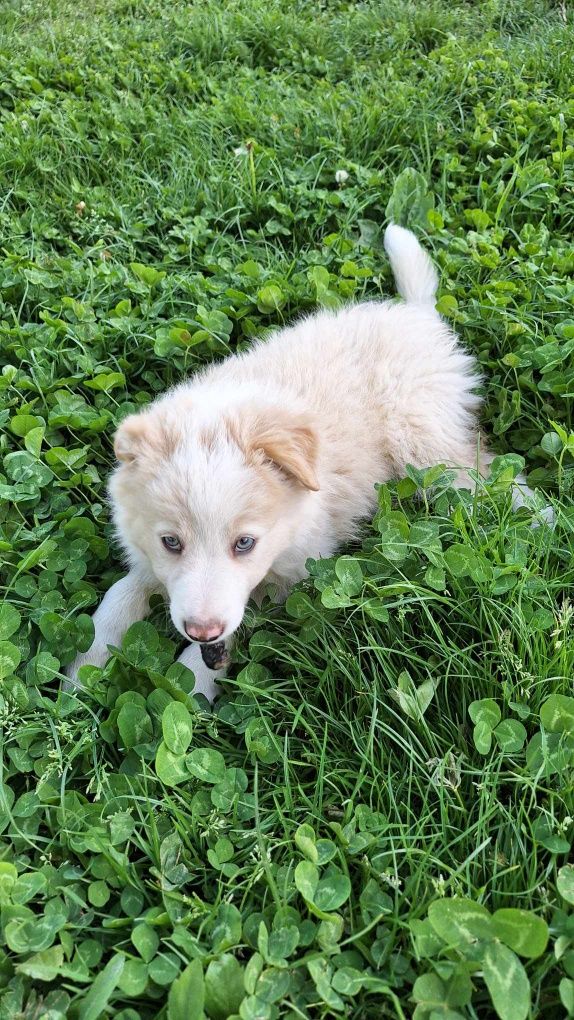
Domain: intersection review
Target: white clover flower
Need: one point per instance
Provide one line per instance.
(240, 151)
(439, 885)
(393, 880)
(341, 176)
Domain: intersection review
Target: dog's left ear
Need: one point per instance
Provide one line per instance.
(141, 435)
(289, 441)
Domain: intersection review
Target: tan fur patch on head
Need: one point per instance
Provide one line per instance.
(287, 440)
(208, 439)
(144, 435)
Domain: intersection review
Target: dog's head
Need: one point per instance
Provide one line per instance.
(212, 502)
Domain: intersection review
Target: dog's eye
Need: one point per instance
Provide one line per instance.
(171, 543)
(244, 544)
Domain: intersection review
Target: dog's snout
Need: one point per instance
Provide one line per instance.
(207, 631)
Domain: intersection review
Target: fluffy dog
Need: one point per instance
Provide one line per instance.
(239, 475)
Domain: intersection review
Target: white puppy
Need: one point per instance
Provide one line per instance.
(239, 475)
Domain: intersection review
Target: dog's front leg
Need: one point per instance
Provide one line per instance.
(205, 677)
(126, 602)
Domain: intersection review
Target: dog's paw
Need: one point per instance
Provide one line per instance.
(545, 517)
(205, 678)
(523, 495)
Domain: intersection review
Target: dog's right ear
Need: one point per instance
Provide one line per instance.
(140, 435)
(286, 439)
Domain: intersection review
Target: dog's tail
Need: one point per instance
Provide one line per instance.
(415, 276)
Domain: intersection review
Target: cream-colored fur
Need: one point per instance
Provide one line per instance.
(284, 444)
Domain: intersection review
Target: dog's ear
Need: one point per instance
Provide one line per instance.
(140, 435)
(288, 440)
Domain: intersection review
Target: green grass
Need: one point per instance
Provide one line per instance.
(400, 735)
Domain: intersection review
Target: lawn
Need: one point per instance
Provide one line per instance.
(376, 817)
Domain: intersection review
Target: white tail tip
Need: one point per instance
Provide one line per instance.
(415, 276)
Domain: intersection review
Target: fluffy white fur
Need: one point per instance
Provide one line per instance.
(284, 444)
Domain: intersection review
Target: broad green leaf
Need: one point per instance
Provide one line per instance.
(463, 561)
(557, 714)
(226, 794)
(485, 711)
(140, 641)
(521, 930)
(134, 978)
(282, 943)
(98, 894)
(374, 902)
(333, 890)
(21, 466)
(270, 298)
(9, 658)
(566, 990)
(447, 305)
(27, 935)
(44, 966)
(333, 599)
(255, 1008)
(543, 834)
(482, 736)
(411, 199)
(393, 541)
(551, 443)
(330, 932)
(22, 424)
(435, 577)
(164, 968)
(430, 992)
(565, 882)
(37, 555)
(273, 984)
(206, 764)
(146, 941)
(187, 994)
(262, 742)
(147, 274)
(549, 753)
(134, 724)
(413, 700)
(347, 981)
(227, 929)
(222, 852)
(106, 381)
(321, 972)
(427, 942)
(306, 879)
(350, 575)
(177, 727)
(326, 850)
(224, 990)
(306, 841)
(252, 971)
(460, 920)
(28, 886)
(507, 982)
(170, 768)
(510, 736)
(100, 993)
(9, 620)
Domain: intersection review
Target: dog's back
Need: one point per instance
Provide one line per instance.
(387, 384)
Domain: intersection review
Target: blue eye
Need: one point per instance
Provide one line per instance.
(244, 544)
(171, 543)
